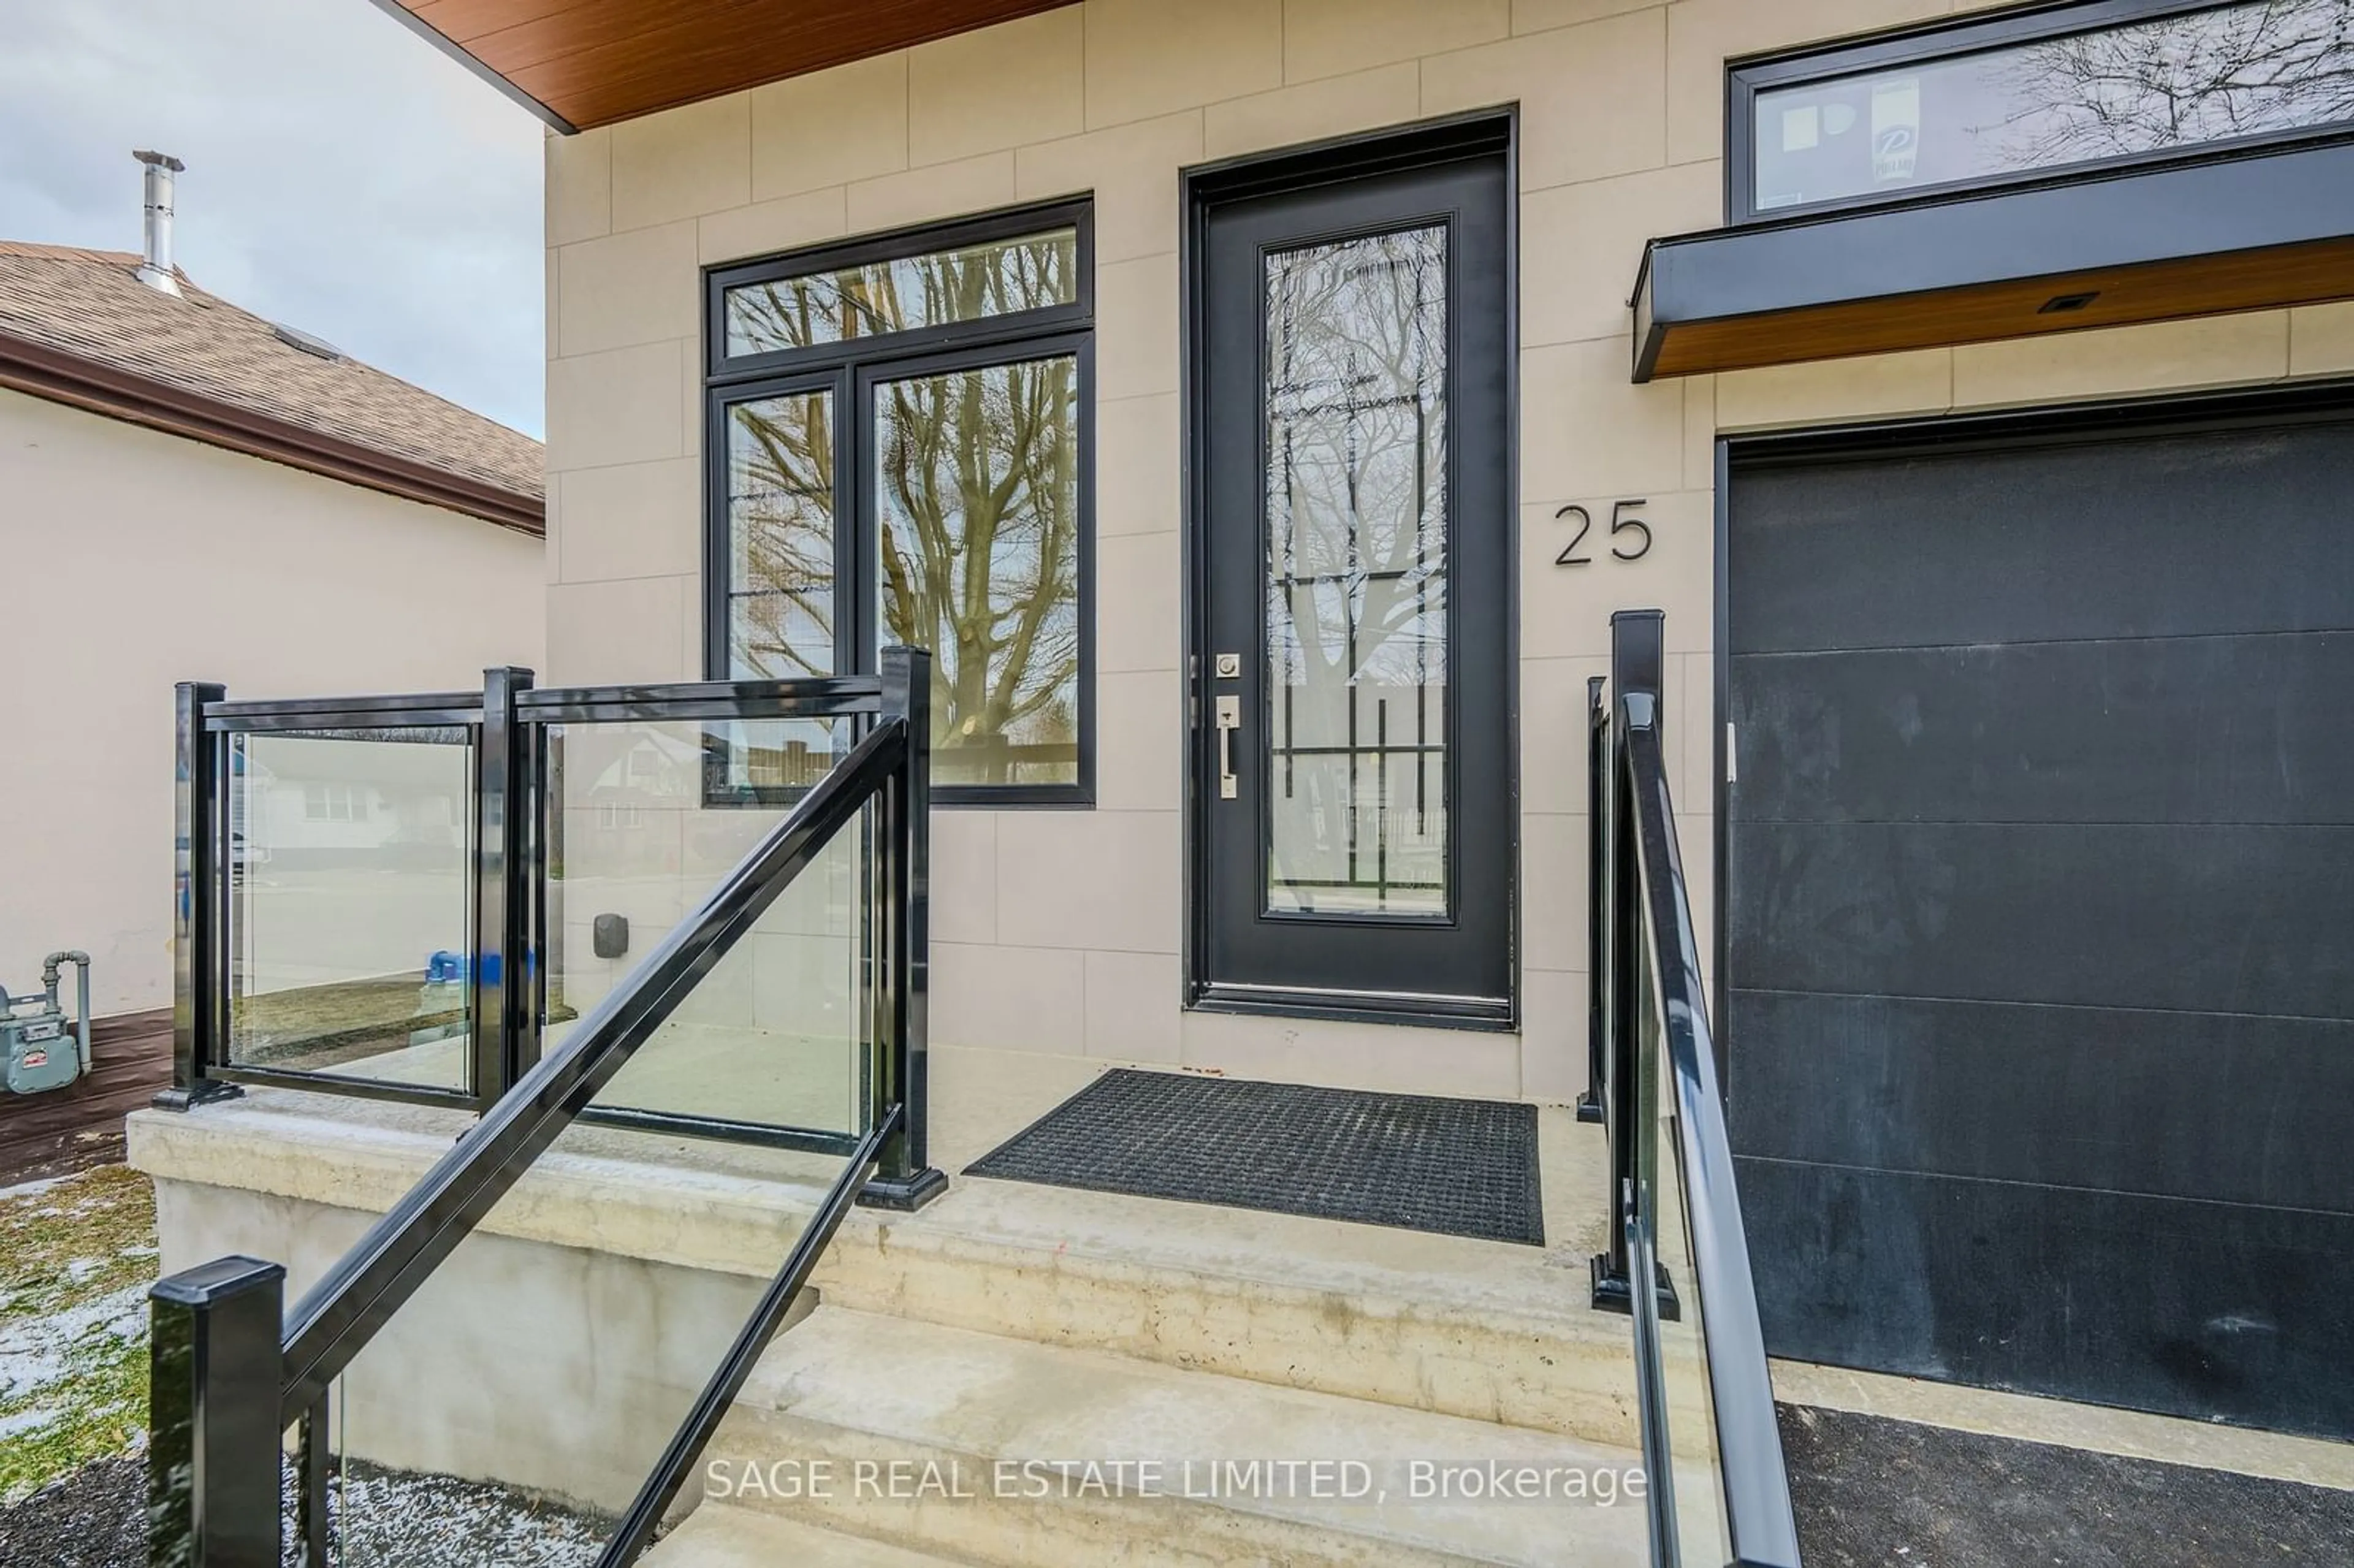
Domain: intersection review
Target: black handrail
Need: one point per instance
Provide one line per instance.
(1649, 916)
(335, 1322)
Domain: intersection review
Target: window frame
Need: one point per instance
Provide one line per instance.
(848, 371)
(1925, 43)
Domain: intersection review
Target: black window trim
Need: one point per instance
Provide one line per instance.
(847, 371)
(1010, 223)
(1943, 38)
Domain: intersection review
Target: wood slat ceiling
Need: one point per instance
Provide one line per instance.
(590, 62)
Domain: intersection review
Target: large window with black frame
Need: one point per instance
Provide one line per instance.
(897, 445)
(2035, 93)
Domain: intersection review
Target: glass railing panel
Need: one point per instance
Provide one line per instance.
(347, 860)
(644, 819)
(510, 1411)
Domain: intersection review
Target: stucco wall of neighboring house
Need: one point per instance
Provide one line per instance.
(137, 559)
(1060, 931)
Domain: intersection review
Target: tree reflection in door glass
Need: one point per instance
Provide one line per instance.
(1356, 604)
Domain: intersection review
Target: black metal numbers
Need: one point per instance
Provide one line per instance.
(1620, 522)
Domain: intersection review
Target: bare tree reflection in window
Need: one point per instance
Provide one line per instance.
(781, 528)
(978, 506)
(1002, 277)
(2178, 81)
(976, 501)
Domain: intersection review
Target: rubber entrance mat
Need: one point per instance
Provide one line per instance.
(1463, 1168)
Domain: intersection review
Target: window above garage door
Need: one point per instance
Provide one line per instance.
(2067, 89)
(2045, 170)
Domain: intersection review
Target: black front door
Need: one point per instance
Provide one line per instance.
(1353, 824)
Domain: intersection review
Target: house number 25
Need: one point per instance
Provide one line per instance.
(1619, 523)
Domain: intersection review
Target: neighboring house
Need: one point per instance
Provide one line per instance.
(1260, 408)
(193, 492)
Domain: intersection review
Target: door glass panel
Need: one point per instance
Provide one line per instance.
(1356, 718)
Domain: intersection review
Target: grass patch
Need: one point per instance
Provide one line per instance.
(76, 1259)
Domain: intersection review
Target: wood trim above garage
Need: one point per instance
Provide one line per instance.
(2220, 234)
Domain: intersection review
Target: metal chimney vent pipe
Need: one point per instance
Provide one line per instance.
(155, 271)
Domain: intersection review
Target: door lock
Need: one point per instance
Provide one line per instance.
(1230, 666)
(1229, 719)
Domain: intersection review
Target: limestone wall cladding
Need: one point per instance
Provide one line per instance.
(1061, 931)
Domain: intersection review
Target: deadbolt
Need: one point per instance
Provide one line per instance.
(1230, 666)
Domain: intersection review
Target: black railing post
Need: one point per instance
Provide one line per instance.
(200, 904)
(1597, 895)
(1637, 665)
(213, 1416)
(906, 1178)
(496, 1007)
(526, 880)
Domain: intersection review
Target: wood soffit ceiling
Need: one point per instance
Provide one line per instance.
(584, 63)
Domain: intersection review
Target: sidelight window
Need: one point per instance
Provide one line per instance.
(899, 453)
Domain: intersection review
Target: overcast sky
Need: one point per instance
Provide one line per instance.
(344, 177)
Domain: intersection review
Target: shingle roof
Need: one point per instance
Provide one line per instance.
(87, 303)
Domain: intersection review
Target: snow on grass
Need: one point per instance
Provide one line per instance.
(77, 1255)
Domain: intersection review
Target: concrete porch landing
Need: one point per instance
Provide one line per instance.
(1475, 1328)
(1008, 1323)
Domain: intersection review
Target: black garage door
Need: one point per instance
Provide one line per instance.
(2041, 914)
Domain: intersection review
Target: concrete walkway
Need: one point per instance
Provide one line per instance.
(1873, 1492)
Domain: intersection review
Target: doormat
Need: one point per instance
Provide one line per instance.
(1461, 1168)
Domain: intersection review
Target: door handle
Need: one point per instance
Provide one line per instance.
(1229, 719)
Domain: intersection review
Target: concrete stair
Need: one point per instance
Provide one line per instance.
(967, 1364)
(1474, 1328)
(1035, 1325)
(718, 1535)
(995, 1450)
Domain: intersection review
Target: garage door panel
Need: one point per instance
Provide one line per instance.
(2040, 902)
(2250, 728)
(2213, 1310)
(2195, 918)
(2109, 1099)
(2183, 535)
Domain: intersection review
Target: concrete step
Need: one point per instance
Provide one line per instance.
(1484, 1329)
(717, 1535)
(1005, 1451)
